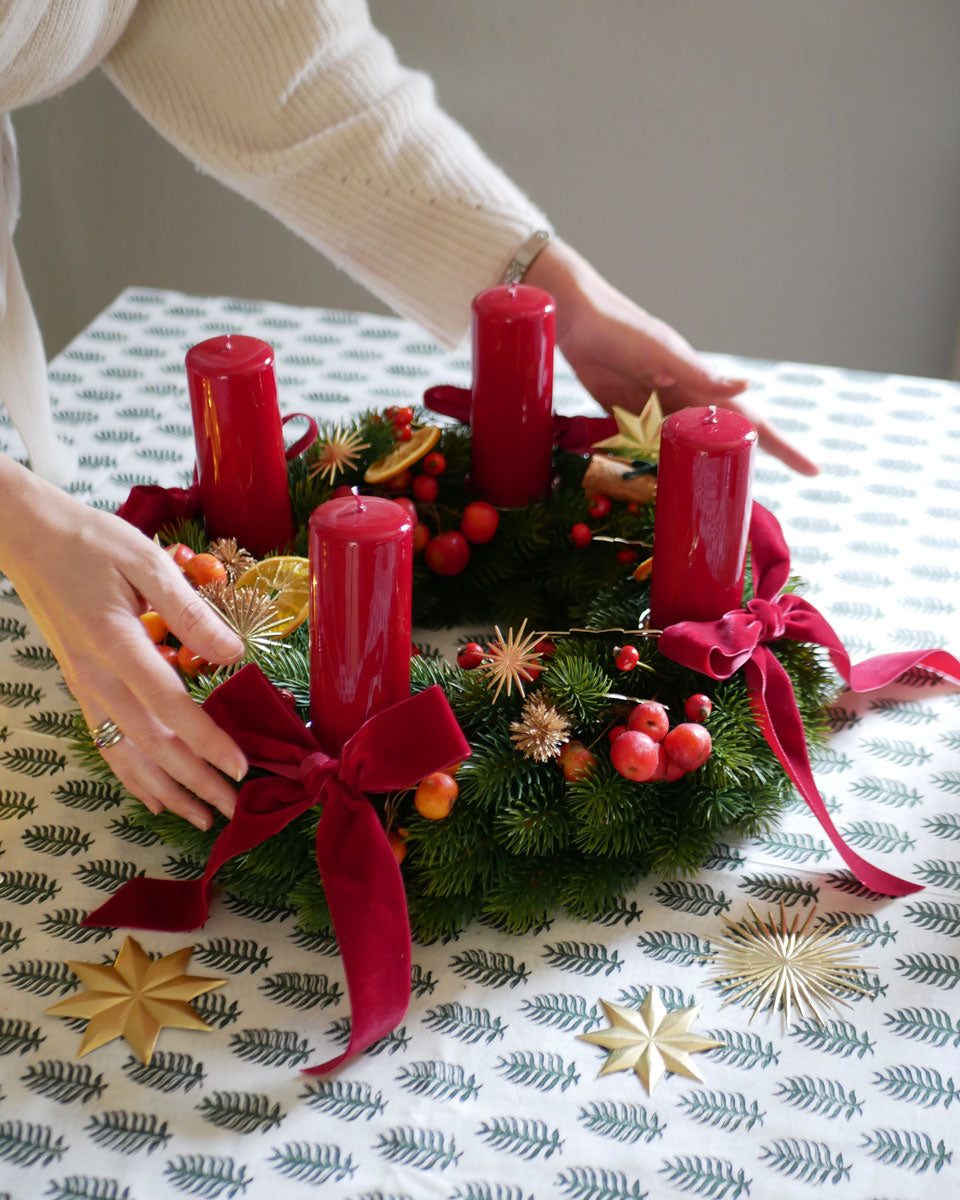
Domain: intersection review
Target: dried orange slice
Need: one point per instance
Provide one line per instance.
(403, 455)
(285, 581)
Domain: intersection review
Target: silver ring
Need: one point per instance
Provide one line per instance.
(106, 735)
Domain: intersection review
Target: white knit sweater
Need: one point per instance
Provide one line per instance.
(299, 105)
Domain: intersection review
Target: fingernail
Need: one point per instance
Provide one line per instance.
(201, 821)
(237, 769)
(227, 646)
(735, 382)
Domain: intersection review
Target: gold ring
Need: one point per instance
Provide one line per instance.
(106, 735)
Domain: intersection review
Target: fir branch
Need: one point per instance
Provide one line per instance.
(347, 1101)
(931, 1025)
(811, 1162)
(705, 1176)
(63, 1082)
(208, 1177)
(312, 1164)
(597, 1183)
(470, 1025)
(438, 1080)
(128, 1132)
(621, 1122)
(824, 1096)
(25, 1145)
(166, 1072)
(18, 1036)
(240, 1112)
(270, 1047)
(526, 1137)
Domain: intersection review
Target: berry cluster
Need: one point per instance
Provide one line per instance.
(199, 569)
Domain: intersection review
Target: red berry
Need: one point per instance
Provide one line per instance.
(398, 844)
(634, 756)
(414, 650)
(479, 522)
(545, 648)
(447, 553)
(650, 718)
(616, 731)
(626, 556)
(408, 507)
(580, 535)
(576, 760)
(470, 656)
(688, 745)
(435, 463)
(180, 553)
(192, 664)
(627, 658)
(435, 796)
(205, 568)
(288, 696)
(663, 762)
(391, 412)
(698, 707)
(343, 490)
(421, 535)
(403, 416)
(399, 482)
(170, 655)
(599, 506)
(403, 433)
(425, 488)
(633, 508)
(155, 626)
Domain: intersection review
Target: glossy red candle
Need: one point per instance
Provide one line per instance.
(511, 415)
(361, 589)
(704, 482)
(241, 462)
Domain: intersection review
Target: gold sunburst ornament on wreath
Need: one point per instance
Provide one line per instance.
(337, 452)
(510, 661)
(781, 965)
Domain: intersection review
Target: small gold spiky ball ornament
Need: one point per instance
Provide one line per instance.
(233, 556)
(541, 730)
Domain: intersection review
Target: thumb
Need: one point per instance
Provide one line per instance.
(187, 615)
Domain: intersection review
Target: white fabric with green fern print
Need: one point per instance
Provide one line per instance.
(485, 1092)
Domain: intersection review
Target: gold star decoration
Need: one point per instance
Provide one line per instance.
(781, 966)
(638, 434)
(250, 613)
(650, 1040)
(510, 660)
(134, 998)
(336, 452)
(234, 557)
(541, 730)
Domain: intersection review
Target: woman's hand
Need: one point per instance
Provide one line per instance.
(620, 353)
(80, 572)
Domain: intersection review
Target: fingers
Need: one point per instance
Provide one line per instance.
(188, 617)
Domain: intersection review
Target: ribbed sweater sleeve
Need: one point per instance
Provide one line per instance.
(301, 106)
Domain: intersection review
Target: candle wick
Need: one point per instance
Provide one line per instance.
(356, 496)
(711, 417)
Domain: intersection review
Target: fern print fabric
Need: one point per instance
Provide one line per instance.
(485, 1092)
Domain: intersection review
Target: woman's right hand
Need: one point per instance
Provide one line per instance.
(81, 573)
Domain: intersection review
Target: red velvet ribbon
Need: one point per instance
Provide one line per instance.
(740, 639)
(393, 749)
(150, 507)
(576, 435)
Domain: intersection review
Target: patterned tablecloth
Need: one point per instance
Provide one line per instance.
(485, 1092)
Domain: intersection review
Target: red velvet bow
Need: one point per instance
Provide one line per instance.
(739, 639)
(150, 507)
(394, 749)
(576, 435)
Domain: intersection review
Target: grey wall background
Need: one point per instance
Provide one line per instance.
(775, 178)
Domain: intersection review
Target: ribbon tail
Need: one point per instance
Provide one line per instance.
(178, 904)
(778, 717)
(364, 890)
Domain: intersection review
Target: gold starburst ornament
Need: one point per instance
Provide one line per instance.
(650, 1040)
(134, 998)
(252, 616)
(783, 965)
(541, 730)
(511, 661)
(335, 453)
(638, 434)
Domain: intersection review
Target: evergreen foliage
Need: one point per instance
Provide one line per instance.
(522, 842)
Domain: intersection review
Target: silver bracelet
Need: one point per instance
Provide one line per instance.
(521, 261)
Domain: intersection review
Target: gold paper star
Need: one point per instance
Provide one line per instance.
(135, 998)
(650, 1041)
(783, 966)
(336, 452)
(638, 435)
(510, 660)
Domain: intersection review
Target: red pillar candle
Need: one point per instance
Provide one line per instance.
(241, 463)
(361, 589)
(511, 417)
(702, 518)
